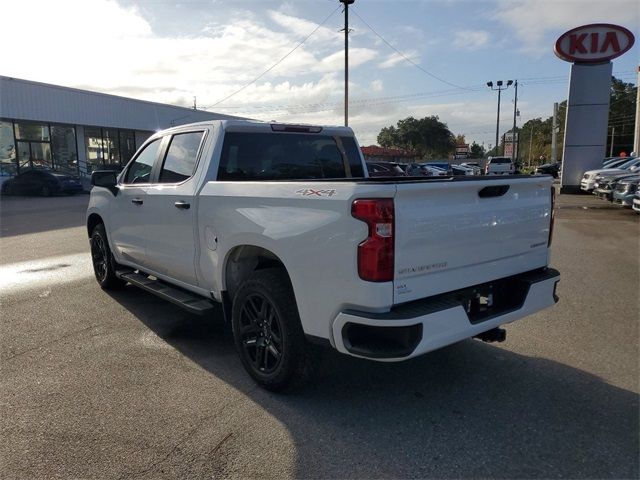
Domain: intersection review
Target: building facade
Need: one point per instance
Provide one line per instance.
(77, 131)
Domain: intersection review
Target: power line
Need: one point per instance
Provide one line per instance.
(279, 61)
(403, 55)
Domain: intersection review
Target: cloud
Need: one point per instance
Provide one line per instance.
(121, 54)
(533, 20)
(397, 59)
(377, 86)
(470, 39)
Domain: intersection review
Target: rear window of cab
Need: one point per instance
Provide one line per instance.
(250, 156)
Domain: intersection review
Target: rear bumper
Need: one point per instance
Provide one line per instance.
(425, 325)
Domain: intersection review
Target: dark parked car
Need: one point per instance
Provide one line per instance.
(625, 191)
(552, 169)
(380, 169)
(41, 182)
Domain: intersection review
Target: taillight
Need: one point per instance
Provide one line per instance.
(553, 215)
(375, 254)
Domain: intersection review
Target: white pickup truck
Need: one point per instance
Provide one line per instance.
(282, 225)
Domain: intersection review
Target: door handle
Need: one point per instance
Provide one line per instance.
(183, 205)
(137, 201)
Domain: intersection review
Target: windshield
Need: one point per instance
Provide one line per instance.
(629, 164)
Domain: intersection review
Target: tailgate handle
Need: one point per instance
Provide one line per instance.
(493, 191)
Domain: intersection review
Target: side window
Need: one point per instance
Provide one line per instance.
(140, 170)
(182, 155)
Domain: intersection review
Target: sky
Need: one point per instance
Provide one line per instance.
(168, 51)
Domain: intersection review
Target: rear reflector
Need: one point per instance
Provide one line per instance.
(375, 253)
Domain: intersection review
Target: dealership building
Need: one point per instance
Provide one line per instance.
(77, 131)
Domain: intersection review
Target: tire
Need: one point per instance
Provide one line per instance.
(104, 266)
(45, 191)
(264, 322)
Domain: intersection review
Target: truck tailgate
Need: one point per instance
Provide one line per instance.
(451, 235)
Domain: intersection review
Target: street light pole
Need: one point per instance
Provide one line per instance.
(346, 60)
(499, 88)
(515, 114)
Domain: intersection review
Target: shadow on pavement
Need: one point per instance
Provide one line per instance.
(470, 410)
(21, 215)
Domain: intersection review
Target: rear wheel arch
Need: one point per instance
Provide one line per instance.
(242, 261)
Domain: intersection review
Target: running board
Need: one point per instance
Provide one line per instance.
(189, 301)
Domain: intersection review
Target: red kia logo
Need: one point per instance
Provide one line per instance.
(598, 42)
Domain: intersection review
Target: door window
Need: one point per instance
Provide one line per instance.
(140, 169)
(182, 156)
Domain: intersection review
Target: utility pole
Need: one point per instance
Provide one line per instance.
(515, 113)
(499, 88)
(346, 60)
(194, 103)
(613, 134)
(554, 134)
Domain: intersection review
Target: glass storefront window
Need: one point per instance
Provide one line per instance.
(32, 131)
(63, 149)
(40, 154)
(8, 164)
(93, 147)
(127, 145)
(108, 147)
(111, 145)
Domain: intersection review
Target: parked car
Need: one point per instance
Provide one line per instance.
(381, 169)
(477, 169)
(280, 225)
(499, 166)
(605, 186)
(424, 170)
(587, 184)
(446, 166)
(41, 182)
(552, 169)
(626, 190)
(462, 170)
(614, 161)
(636, 202)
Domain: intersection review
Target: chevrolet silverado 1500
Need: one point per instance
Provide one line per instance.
(282, 225)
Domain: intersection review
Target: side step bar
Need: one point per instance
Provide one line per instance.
(189, 301)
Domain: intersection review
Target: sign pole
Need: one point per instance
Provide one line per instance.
(515, 112)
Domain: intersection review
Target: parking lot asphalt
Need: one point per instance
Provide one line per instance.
(124, 385)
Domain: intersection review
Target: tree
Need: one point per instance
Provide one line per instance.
(426, 137)
(388, 137)
(476, 151)
(622, 108)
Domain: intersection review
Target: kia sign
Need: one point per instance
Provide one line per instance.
(595, 43)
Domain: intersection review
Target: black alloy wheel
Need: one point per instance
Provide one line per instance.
(100, 257)
(261, 333)
(104, 265)
(267, 331)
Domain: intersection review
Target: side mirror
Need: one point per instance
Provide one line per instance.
(106, 179)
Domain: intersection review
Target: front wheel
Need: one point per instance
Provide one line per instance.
(104, 266)
(267, 331)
